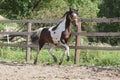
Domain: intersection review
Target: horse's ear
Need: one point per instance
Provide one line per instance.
(77, 10)
(70, 9)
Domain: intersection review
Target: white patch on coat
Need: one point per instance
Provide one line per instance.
(56, 34)
(39, 31)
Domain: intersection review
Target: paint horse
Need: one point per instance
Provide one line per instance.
(57, 35)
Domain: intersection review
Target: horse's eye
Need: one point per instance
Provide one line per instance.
(73, 15)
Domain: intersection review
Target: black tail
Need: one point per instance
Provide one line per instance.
(34, 37)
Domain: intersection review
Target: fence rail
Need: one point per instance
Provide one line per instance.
(98, 20)
(101, 20)
(114, 34)
(18, 45)
(96, 48)
(71, 47)
(79, 33)
(29, 21)
(16, 33)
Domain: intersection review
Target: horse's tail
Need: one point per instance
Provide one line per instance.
(35, 35)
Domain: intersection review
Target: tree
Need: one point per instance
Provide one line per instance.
(109, 9)
(27, 9)
(14, 9)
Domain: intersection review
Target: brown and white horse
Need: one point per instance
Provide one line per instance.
(57, 35)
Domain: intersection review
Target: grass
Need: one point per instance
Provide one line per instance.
(87, 57)
(100, 58)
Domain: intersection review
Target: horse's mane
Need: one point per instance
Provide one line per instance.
(64, 14)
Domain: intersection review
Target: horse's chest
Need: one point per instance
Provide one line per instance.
(66, 34)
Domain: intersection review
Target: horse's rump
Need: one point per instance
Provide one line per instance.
(35, 35)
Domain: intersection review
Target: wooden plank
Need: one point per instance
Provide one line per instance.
(71, 47)
(15, 33)
(95, 48)
(28, 42)
(114, 34)
(100, 20)
(77, 51)
(29, 21)
(18, 45)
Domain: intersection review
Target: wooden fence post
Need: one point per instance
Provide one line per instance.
(28, 42)
(77, 43)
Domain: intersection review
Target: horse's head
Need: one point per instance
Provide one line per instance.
(73, 16)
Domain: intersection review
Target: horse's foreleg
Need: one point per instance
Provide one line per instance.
(66, 52)
(61, 59)
(51, 53)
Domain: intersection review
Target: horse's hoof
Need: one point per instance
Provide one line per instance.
(68, 58)
(35, 62)
(60, 63)
(55, 59)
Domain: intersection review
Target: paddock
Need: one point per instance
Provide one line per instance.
(20, 71)
(26, 71)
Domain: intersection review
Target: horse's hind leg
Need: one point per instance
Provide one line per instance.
(51, 53)
(35, 61)
(39, 47)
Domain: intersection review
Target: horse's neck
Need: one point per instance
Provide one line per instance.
(65, 23)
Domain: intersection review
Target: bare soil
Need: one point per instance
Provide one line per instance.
(16, 71)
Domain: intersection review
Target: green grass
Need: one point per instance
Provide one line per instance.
(100, 58)
(87, 57)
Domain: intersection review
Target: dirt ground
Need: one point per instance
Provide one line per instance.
(16, 71)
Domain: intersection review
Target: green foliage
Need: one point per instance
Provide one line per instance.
(3, 25)
(51, 9)
(109, 9)
(16, 9)
(45, 9)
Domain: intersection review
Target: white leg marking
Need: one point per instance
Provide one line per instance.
(66, 49)
(51, 53)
